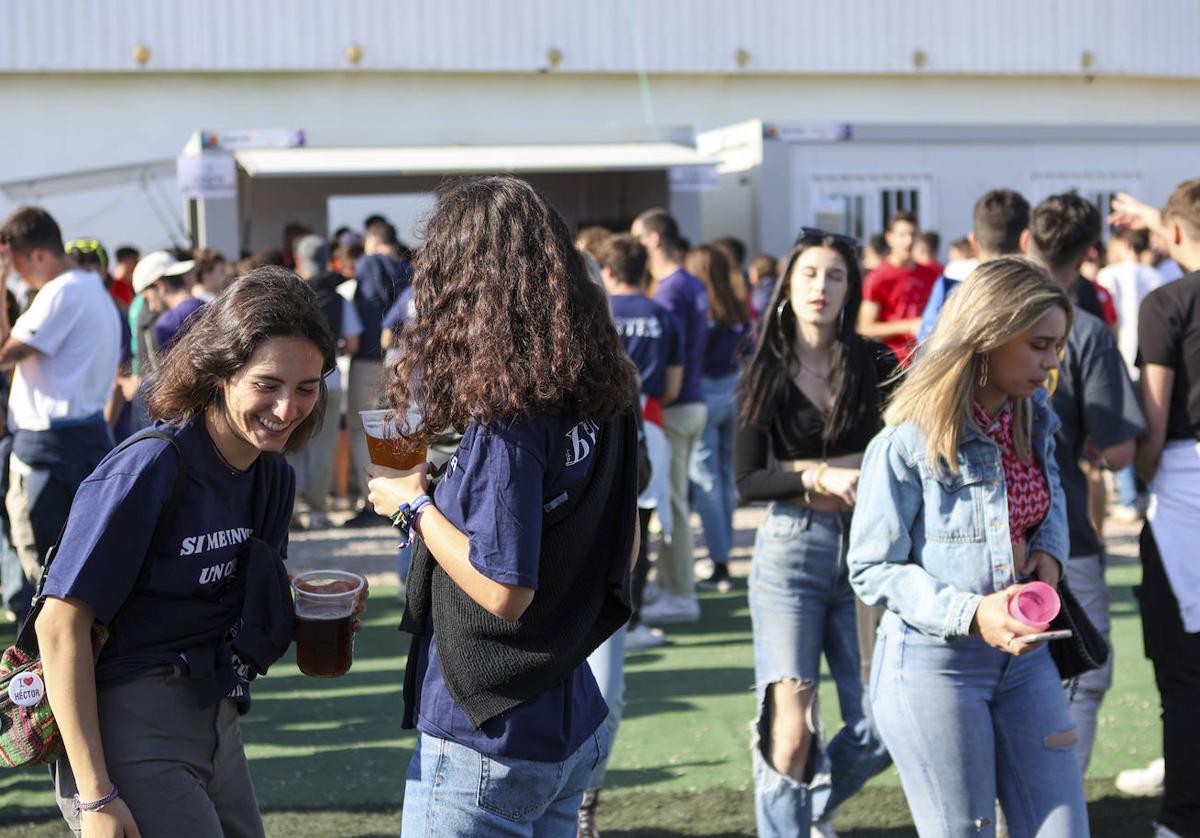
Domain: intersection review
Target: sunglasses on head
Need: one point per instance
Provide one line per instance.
(818, 233)
(88, 248)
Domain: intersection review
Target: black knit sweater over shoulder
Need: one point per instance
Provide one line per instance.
(491, 665)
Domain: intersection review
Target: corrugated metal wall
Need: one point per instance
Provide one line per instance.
(1039, 37)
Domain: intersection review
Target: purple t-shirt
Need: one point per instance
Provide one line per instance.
(497, 486)
(170, 325)
(651, 339)
(687, 298)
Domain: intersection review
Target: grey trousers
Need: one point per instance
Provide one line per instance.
(180, 768)
(314, 464)
(365, 392)
(683, 425)
(1085, 575)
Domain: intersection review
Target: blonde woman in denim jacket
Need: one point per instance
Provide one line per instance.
(958, 502)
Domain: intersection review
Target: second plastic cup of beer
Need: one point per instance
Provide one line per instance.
(325, 602)
(384, 443)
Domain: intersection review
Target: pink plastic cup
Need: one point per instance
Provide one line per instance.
(1035, 604)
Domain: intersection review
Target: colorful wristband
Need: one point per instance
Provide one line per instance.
(93, 805)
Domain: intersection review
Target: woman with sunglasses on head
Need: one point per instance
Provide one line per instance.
(808, 404)
(959, 501)
(522, 565)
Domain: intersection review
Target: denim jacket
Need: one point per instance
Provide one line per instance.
(929, 545)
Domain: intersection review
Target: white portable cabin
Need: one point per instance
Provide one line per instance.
(588, 183)
(849, 178)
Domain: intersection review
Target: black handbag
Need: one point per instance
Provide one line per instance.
(1086, 649)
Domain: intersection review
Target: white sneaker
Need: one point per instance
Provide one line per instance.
(643, 636)
(651, 593)
(318, 521)
(1143, 782)
(823, 829)
(672, 609)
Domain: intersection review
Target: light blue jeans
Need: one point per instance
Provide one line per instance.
(800, 606)
(710, 471)
(967, 725)
(1127, 486)
(608, 668)
(454, 790)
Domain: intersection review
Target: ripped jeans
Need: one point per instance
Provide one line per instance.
(801, 605)
(967, 725)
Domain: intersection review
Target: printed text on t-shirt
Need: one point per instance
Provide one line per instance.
(638, 327)
(583, 438)
(214, 540)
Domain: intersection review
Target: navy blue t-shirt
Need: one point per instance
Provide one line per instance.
(651, 337)
(687, 298)
(496, 488)
(380, 280)
(169, 327)
(112, 522)
(402, 312)
(724, 348)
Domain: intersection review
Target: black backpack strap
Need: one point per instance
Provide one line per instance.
(27, 639)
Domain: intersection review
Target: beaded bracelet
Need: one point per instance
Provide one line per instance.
(93, 805)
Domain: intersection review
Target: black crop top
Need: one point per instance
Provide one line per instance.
(796, 435)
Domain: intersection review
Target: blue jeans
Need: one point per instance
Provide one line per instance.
(967, 724)
(455, 790)
(1127, 486)
(608, 668)
(710, 471)
(801, 605)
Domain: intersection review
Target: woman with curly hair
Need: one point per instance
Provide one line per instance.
(521, 566)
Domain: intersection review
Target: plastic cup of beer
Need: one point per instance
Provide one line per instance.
(325, 602)
(385, 445)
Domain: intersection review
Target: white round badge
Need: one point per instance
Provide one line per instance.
(26, 690)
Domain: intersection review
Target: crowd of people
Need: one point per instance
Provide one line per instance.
(926, 437)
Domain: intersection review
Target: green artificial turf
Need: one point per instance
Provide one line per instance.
(328, 757)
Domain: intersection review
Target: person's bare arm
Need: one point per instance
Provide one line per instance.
(869, 325)
(64, 632)
(350, 345)
(1132, 214)
(449, 545)
(13, 352)
(1157, 383)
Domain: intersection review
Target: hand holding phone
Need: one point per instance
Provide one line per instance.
(1060, 634)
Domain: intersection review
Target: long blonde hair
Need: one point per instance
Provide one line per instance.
(1001, 300)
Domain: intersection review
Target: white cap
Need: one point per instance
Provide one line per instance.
(154, 266)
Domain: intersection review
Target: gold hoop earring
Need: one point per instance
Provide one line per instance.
(983, 370)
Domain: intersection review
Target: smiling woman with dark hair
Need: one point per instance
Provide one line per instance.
(174, 544)
(522, 568)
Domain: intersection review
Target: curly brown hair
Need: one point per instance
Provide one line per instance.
(269, 302)
(508, 323)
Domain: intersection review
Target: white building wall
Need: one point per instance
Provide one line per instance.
(62, 123)
(1028, 37)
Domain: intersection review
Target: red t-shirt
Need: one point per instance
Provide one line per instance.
(901, 295)
(1106, 303)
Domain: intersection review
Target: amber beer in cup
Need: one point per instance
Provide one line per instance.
(385, 445)
(325, 601)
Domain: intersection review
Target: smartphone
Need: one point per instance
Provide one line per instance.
(1045, 635)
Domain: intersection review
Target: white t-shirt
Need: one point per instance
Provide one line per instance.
(1128, 283)
(73, 324)
(352, 327)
